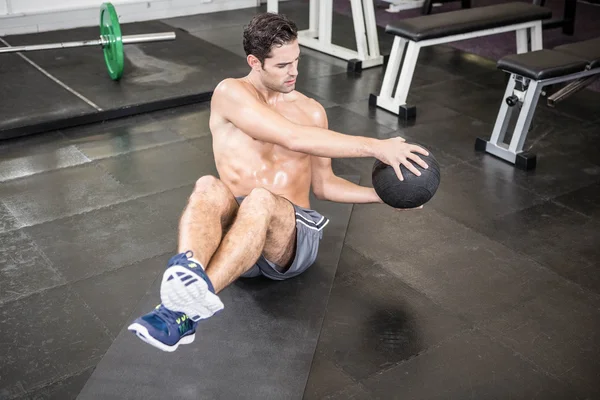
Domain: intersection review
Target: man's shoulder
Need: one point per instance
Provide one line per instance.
(230, 85)
(312, 108)
(309, 104)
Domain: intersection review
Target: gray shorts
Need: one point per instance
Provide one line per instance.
(309, 232)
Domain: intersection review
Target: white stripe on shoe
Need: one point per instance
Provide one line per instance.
(185, 291)
(142, 332)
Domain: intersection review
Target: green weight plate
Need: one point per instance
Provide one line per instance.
(110, 31)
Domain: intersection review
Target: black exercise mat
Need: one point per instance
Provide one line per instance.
(260, 346)
(157, 75)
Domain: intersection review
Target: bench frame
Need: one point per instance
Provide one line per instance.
(528, 92)
(318, 34)
(405, 53)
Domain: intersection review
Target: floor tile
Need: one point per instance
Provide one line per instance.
(345, 87)
(555, 174)
(558, 238)
(48, 335)
(325, 378)
(88, 244)
(67, 191)
(37, 153)
(375, 320)
(153, 170)
(188, 121)
(7, 220)
(577, 141)
(214, 20)
(427, 111)
(64, 389)
(24, 268)
(454, 135)
(558, 332)
(585, 200)
(222, 36)
(493, 198)
(117, 137)
(347, 122)
(468, 366)
(114, 295)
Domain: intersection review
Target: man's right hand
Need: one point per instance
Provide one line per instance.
(396, 151)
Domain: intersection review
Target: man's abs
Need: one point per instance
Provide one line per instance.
(244, 163)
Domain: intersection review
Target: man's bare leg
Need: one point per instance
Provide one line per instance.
(265, 224)
(210, 211)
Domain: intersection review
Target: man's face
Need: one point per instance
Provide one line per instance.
(279, 71)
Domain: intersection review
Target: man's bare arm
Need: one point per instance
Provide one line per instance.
(326, 184)
(239, 106)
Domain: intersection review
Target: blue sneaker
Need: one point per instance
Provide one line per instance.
(164, 329)
(187, 289)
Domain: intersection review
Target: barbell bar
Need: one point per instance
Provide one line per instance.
(111, 40)
(128, 39)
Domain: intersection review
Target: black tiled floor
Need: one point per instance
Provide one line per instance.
(25, 268)
(369, 327)
(560, 239)
(348, 122)
(427, 112)
(460, 269)
(94, 242)
(47, 336)
(118, 137)
(59, 193)
(344, 87)
(474, 197)
(491, 291)
(153, 170)
(7, 220)
(585, 200)
(454, 135)
(555, 175)
(557, 332)
(467, 366)
(67, 388)
(114, 295)
(34, 154)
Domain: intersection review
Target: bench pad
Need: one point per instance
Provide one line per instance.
(542, 64)
(434, 26)
(589, 50)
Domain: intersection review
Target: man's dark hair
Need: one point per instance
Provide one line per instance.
(265, 31)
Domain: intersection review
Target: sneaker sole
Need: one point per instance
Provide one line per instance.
(185, 291)
(142, 333)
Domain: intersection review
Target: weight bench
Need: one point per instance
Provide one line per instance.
(414, 33)
(530, 73)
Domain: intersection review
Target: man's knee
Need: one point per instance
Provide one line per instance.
(211, 186)
(260, 199)
(210, 190)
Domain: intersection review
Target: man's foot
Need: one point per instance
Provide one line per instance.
(164, 329)
(186, 288)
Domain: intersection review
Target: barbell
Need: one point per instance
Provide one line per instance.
(111, 40)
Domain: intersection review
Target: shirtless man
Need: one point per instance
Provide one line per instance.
(271, 146)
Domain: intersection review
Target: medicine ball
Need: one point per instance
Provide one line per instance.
(413, 191)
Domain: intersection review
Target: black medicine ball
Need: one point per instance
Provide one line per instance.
(413, 191)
